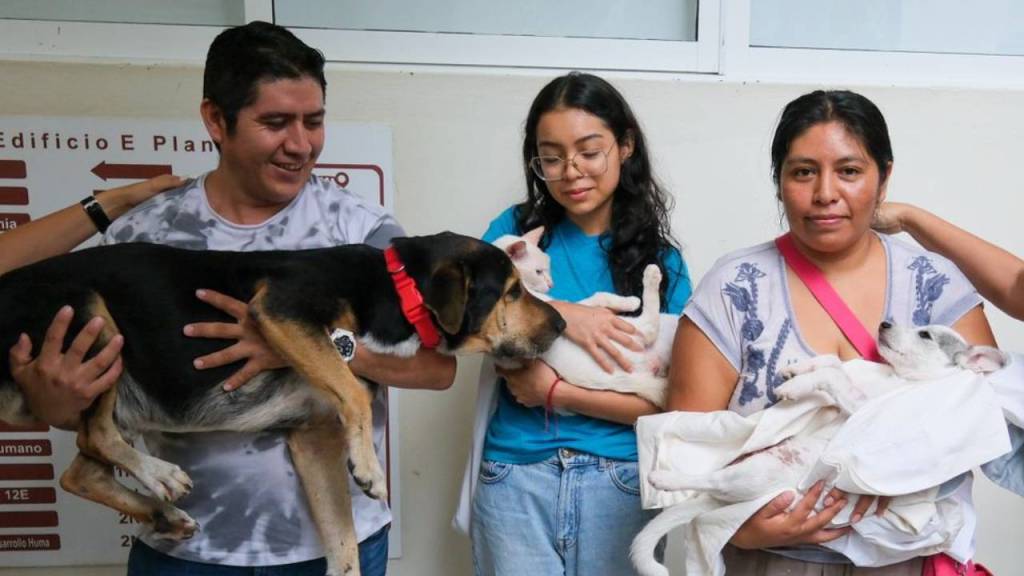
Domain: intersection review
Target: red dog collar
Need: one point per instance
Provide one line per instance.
(412, 301)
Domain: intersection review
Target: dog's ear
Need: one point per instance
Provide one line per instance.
(516, 250)
(981, 359)
(534, 236)
(445, 295)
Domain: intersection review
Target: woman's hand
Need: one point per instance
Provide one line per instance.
(117, 201)
(139, 192)
(60, 385)
(890, 217)
(531, 383)
(773, 526)
(600, 332)
(250, 345)
(864, 502)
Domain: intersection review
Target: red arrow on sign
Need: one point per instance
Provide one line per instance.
(132, 171)
(12, 169)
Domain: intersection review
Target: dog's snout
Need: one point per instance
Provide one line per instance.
(554, 325)
(884, 326)
(558, 323)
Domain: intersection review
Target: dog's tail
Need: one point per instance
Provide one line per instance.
(642, 552)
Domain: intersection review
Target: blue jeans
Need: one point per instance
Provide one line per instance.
(572, 514)
(144, 561)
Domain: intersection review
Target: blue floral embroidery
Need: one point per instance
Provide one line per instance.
(774, 379)
(752, 367)
(745, 301)
(928, 286)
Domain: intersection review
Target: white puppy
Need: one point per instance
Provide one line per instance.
(572, 363)
(915, 355)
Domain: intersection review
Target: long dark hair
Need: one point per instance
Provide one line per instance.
(856, 113)
(639, 232)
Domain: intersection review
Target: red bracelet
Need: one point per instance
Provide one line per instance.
(551, 392)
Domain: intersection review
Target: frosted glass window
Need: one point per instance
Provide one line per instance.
(200, 12)
(620, 19)
(941, 26)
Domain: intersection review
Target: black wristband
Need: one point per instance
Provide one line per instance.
(96, 214)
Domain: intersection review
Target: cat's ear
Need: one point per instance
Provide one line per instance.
(534, 236)
(516, 250)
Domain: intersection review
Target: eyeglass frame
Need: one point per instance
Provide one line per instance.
(566, 162)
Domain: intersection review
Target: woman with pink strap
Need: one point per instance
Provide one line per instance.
(752, 314)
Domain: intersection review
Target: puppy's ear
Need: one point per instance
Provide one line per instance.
(981, 359)
(445, 295)
(516, 250)
(534, 236)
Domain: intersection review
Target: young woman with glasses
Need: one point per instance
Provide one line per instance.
(556, 493)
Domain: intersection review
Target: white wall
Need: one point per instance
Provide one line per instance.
(456, 141)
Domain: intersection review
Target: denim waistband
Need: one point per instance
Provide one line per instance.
(569, 458)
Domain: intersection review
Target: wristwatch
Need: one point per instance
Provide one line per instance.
(345, 342)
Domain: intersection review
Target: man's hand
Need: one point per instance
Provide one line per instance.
(59, 385)
(250, 344)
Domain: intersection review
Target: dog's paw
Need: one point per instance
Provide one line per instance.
(171, 523)
(793, 390)
(164, 480)
(370, 479)
(796, 369)
(652, 276)
(613, 302)
(662, 479)
(809, 365)
(625, 304)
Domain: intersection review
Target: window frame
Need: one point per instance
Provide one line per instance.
(721, 52)
(823, 66)
(37, 39)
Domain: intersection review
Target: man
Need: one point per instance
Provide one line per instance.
(263, 105)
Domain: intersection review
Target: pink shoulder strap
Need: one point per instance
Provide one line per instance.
(829, 299)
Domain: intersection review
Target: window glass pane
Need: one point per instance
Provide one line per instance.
(650, 19)
(945, 26)
(206, 12)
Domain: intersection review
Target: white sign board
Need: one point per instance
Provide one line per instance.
(49, 163)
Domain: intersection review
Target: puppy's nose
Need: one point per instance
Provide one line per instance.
(559, 323)
(884, 326)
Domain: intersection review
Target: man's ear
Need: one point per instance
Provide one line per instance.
(213, 119)
(446, 294)
(981, 359)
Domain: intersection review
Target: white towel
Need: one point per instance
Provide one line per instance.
(906, 441)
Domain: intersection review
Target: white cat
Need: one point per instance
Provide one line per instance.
(574, 364)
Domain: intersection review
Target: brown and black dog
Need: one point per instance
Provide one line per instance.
(297, 298)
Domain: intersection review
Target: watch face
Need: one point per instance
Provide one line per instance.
(345, 343)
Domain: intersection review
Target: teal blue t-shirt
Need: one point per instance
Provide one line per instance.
(579, 267)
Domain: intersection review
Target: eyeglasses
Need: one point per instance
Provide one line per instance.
(586, 162)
